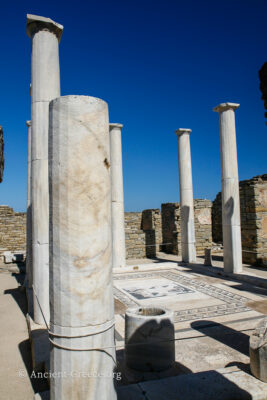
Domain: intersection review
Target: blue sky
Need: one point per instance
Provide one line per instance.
(160, 65)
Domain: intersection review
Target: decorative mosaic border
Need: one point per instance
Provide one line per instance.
(233, 303)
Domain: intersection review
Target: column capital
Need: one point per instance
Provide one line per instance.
(226, 106)
(37, 23)
(111, 126)
(181, 131)
(28, 123)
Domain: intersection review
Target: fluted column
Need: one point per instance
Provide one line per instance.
(117, 205)
(230, 189)
(81, 292)
(186, 196)
(45, 86)
(29, 213)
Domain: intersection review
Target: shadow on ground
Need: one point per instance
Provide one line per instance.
(238, 341)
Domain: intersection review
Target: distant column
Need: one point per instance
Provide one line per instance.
(45, 86)
(81, 292)
(117, 207)
(230, 189)
(186, 196)
(29, 213)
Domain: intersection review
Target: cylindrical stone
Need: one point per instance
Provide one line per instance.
(230, 189)
(258, 351)
(81, 296)
(149, 339)
(117, 206)
(29, 213)
(45, 86)
(186, 196)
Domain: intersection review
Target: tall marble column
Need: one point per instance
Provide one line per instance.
(117, 205)
(45, 86)
(81, 294)
(230, 189)
(29, 213)
(186, 196)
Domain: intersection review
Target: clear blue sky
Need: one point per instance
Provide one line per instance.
(160, 65)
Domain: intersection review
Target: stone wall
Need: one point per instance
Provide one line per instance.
(143, 234)
(135, 238)
(12, 230)
(253, 210)
(171, 236)
(217, 219)
(171, 230)
(151, 225)
(203, 232)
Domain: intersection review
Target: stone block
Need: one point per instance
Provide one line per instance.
(258, 351)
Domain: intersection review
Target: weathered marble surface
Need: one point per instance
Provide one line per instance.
(81, 294)
(149, 339)
(29, 212)
(230, 189)
(117, 206)
(186, 196)
(258, 351)
(45, 86)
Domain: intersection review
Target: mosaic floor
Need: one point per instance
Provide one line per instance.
(189, 298)
(213, 316)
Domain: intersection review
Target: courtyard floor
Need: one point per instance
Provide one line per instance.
(214, 315)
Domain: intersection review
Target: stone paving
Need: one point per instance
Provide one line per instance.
(214, 315)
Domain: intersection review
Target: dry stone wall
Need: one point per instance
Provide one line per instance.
(202, 209)
(135, 238)
(253, 210)
(12, 230)
(143, 233)
(151, 225)
(171, 229)
(171, 234)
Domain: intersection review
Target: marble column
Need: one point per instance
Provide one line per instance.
(117, 205)
(186, 196)
(230, 189)
(29, 213)
(81, 295)
(45, 86)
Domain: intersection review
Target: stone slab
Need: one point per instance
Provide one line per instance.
(216, 269)
(224, 384)
(190, 297)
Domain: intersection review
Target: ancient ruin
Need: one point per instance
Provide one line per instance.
(45, 86)
(117, 202)
(186, 196)
(82, 312)
(230, 189)
(163, 303)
